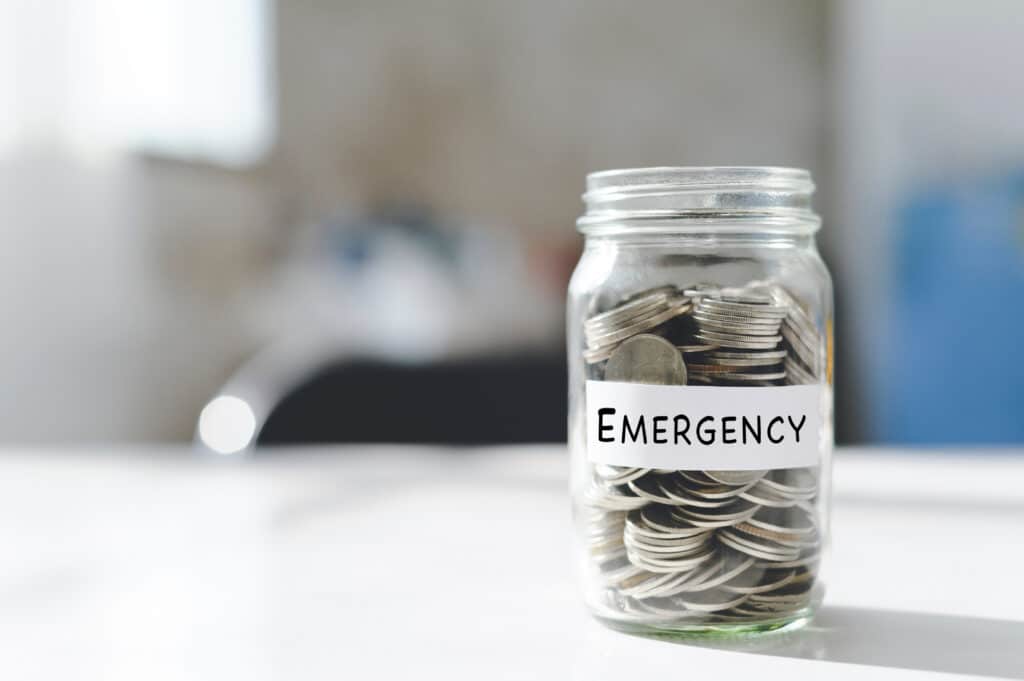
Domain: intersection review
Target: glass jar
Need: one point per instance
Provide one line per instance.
(700, 400)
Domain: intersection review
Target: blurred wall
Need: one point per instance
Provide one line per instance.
(494, 112)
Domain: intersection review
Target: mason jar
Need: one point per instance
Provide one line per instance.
(700, 400)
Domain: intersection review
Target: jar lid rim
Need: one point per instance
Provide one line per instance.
(667, 192)
(685, 176)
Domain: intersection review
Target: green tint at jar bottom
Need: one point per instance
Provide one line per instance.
(704, 631)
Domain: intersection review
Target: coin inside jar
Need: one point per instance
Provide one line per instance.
(646, 358)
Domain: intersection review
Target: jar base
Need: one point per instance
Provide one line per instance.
(682, 631)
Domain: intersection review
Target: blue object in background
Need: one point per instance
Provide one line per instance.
(952, 363)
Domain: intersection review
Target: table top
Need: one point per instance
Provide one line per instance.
(413, 562)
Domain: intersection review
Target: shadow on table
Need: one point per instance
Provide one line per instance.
(905, 640)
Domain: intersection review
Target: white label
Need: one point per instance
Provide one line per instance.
(704, 427)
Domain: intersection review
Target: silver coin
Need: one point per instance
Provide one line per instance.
(743, 309)
(807, 354)
(767, 583)
(626, 311)
(664, 545)
(705, 518)
(610, 499)
(748, 296)
(653, 522)
(797, 374)
(679, 495)
(595, 335)
(738, 478)
(766, 497)
(601, 524)
(784, 538)
(650, 489)
(757, 547)
(702, 314)
(639, 326)
(696, 477)
(722, 576)
(711, 601)
(770, 341)
(800, 484)
(686, 349)
(598, 355)
(708, 369)
(658, 586)
(792, 595)
(709, 318)
(618, 475)
(737, 329)
(720, 492)
(738, 376)
(766, 355)
(663, 565)
(699, 290)
(646, 358)
(744, 363)
(800, 530)
(738, 341)
(765, 556)
(660, 552)
(802, 561)
(686, 580)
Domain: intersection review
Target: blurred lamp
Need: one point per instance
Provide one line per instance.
(227, 425)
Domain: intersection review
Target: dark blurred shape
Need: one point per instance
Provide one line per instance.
(490, 400)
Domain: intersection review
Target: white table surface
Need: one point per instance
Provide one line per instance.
(393, 563)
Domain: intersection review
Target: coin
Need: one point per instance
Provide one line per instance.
(732, 340)
(770, 580)
(743, 309)
(685, 349)
(672, 564)
(757, 547)
(646, 358)
(778, 355)
(609, 498)
(638, 306)
(712, 601)
(618, 475)
(735, 477)
(714, 578)
(738, 376)
(639, 325)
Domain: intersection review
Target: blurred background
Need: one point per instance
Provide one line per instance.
(239, 219)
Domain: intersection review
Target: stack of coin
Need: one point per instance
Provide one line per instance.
(757, 335)
(744, 325)
(715, 545)
(802, 342)
(604, 332)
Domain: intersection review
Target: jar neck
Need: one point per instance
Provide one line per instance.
(739, 202)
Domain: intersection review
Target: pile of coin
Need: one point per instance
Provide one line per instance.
(718, 546)
(605, 332)
(726, 545)
(754, 335)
